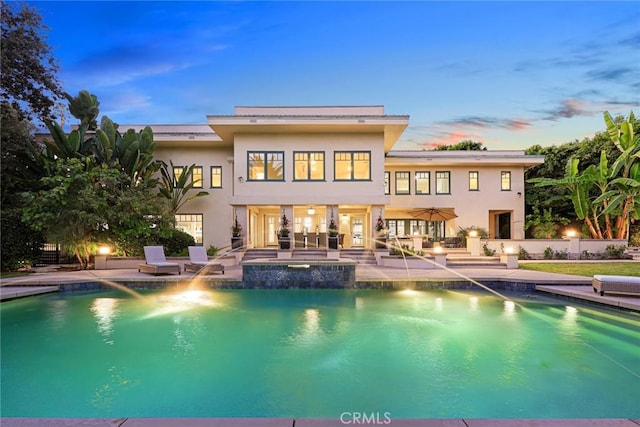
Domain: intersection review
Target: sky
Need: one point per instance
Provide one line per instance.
(507, 74)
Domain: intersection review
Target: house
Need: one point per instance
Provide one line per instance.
(315, 164)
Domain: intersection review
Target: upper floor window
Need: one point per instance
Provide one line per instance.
(505, 181)
(266, 165)
(423, 183)
(443, 182)
(387, 182)
(216, 176)
(308, 166)
(196, 177)
(474, 183)
(352, 165)
(177, 172)
(402, 183)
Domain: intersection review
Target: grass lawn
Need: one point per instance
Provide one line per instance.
(7, 274)
(586, 268)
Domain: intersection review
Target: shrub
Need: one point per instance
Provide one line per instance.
(614, 252)
(523, 254)
(177, 243)
(548, 253)
(20, 245)
(487, 250)
(586, 255)
(212, 251)
(561, 254)
(464, 232)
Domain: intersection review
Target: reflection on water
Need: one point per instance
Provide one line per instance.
(58, 311)
(473, 303)
(509, 309)
(105, 311)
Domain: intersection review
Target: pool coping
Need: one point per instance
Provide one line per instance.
(320, 422)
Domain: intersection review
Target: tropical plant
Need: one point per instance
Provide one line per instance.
(545, 225)
(176, 188)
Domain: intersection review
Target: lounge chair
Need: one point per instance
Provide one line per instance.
(156, 263)
(199, 261)
(616, 284)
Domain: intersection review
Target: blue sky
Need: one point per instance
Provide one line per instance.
(508, 74)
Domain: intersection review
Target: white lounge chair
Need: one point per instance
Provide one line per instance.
(616, 284)
(156, 263)
(199, 261)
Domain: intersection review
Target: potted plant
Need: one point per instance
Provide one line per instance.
(381, 235)
(333, 233)
(283, 233)
(236, 234)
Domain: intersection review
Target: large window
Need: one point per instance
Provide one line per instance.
(308, 166)
(191, 224)
(402, 183)
(443, 182)
(266, 166)
(433, 230)
(474, 183)
(216, 176)
(387, 182)
(423, 183)
(352, 165)
(505, 181)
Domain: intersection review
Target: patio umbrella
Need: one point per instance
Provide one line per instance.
(433, 214)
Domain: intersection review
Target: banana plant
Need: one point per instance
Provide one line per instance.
(578, 186)
(176, 188)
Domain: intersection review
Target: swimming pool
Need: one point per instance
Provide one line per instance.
(316, 353)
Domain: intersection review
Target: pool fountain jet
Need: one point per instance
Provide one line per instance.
(435, 264)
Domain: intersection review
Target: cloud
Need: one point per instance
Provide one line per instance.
(488, 122)
(619, 74)
(568, 108)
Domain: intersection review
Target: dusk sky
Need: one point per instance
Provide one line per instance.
(508, 74)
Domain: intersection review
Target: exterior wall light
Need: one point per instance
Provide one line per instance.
(571, 233)
(508, 250)
(104, 250)
(473, 233)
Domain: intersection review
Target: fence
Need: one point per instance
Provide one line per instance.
(51, 254)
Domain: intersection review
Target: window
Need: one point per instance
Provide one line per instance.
(216, 176)
(266, 166)
(505, 181)
(402, 183)
(443, 182)
(177, 172)
(308, 166)
(197, 177)
(352, 166)
(190, 224)
(423, 183)
(473, 181)
(387, 182)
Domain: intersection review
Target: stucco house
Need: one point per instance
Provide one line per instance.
(313, 164)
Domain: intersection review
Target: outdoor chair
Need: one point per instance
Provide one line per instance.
(156, 262)
(199, 261)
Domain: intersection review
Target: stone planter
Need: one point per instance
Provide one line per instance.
(381, 243)
(285, 242)
(333, 242)
(236, 242)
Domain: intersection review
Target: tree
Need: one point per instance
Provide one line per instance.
(97, 186)
(600, 192)
(81, 209)
(176, 188)
(466, 145)
(27, 66)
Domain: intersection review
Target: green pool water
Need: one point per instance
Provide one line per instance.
(316, 353)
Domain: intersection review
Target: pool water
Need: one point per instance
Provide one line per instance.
(316, 353)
